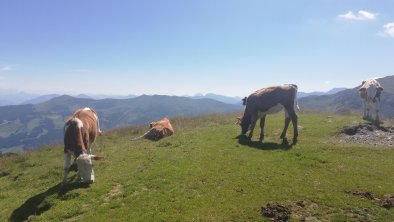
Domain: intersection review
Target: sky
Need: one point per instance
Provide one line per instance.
(184, 47)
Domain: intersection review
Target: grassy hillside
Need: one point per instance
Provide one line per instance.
(204, 173)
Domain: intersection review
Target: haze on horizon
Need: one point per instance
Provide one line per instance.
(179, 47)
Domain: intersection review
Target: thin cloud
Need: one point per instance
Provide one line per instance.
(389, 30)
(81, 70)
(5, 68)
(360, 16)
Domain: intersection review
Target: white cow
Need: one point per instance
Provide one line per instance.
(370, 91)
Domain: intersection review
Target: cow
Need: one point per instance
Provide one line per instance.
(80, 131)
(370, 92)
(271, 100)
(157, 130)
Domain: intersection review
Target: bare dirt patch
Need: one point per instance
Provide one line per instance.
(116, 191)
(276, 212)
(366, 134)
(387, 201)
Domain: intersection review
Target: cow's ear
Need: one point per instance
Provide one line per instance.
(94, 157)
(363, 82)
(238, 122)
(362, 89)
(244, 100)
(380, 88)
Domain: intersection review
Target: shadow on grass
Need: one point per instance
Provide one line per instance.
(244, 140)
(41, 203)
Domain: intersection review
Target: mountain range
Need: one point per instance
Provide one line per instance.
(12, 97)
(31, 125)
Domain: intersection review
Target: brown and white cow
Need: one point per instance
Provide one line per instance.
(370, 91)
(271, 100)
(80, 131)
(158, 129)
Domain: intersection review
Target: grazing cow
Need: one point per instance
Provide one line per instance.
(271, 100)
(370, 91)
(80, 131)
(158, 130)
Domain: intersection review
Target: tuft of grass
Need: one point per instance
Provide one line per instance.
(205, 172)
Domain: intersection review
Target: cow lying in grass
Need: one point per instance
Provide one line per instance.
(370, 91)
(270, 100)
(159, 129)
(80, 131)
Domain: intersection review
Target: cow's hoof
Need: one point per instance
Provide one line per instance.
(285, 141)
(89, 182)
(295, 140)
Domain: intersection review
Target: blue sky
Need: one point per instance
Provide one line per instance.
(183, 47)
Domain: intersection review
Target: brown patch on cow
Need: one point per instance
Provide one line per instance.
(377, 136)
(116, 191)
(276, 212)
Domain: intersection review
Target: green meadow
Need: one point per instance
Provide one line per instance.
(204, 172)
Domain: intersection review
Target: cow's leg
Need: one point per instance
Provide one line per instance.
(294, 120)
(253, 124)
(67, 164)
(365, 109)
(369, 110)
(287, 121)
(377, 105)
(262, 123)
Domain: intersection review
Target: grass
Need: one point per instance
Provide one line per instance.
(205, 173)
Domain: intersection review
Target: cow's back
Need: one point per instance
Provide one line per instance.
(89, 120)
(266, 98)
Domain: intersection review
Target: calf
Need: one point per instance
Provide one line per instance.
(270, 100)
(80, 131)
(370, 91)
(159, 129)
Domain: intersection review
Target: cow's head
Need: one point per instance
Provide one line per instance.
(85, 167)
(245, 124)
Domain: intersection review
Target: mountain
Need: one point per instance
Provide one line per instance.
(348, 101)
(220, 98)
(31, 125)
(40, 99)
(330, 92)
(13, 97)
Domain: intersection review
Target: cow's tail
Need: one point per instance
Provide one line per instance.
(296, 107)
(143, 136)
(98, 122)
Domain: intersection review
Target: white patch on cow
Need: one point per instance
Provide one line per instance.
(85, 168)
(278, 107)
(79, 123)
(86, 109)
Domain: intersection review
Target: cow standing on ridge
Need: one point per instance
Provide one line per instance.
(271, 100)
(370, 91)
(80, 131)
